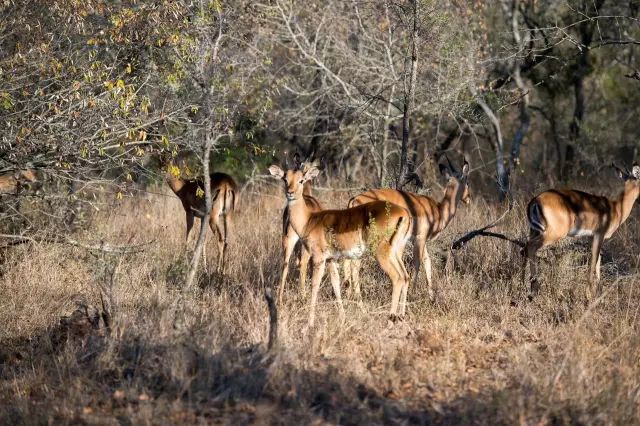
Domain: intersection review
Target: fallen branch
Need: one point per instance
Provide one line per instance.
(460, 242)
(482, 232)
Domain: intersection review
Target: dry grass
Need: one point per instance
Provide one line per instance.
(482, 354)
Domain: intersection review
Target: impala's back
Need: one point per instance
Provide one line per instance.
(349, 232)
(223, 198)
(424, 209)
(565, 212)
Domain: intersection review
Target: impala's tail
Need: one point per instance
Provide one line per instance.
(402, 233)
(536, 218)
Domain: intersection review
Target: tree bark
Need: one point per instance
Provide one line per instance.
(408, 99)
(586, 29)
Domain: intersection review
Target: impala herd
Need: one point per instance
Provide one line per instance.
(383, 221)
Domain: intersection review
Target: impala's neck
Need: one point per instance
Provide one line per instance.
(175, 183)
(298, 215)
(448, 205)
(307, 189)
(627, 199)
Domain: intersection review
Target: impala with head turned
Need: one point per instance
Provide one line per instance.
(559, 213)
(330, 235)
(224, 197)
(430, 216)
(289, 237)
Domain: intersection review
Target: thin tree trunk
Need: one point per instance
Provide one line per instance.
(586, 29)
(382, 178)
(502, 174)
(409, 95)
(204, 223)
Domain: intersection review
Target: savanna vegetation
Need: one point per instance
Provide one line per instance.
(109, 316)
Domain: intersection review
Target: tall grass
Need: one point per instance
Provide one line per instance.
(481, 354)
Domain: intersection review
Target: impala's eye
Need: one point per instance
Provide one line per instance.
(301, 181)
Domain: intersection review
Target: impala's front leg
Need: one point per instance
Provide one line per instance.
(304, 263)
(594, 269)
(335, 283)
(318, 272)
(288, 243)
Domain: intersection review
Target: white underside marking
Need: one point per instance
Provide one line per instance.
(581, 233)
(354, 252)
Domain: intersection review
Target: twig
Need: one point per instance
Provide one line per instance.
(273, 318)
(103, 247)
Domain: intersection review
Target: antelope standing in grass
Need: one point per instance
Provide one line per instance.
(224, 197)
(559, 213)
(290, 238)
(10, 183)
(430, 216)
(329, 235)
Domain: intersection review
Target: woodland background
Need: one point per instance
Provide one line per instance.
(534, 93)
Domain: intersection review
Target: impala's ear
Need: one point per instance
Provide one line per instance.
(635, 171)
(445, 171)
(276, 171)
(311, 172)
(465, 168)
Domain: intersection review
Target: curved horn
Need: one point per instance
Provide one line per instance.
(296, 161)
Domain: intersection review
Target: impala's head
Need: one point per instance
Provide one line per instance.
(631, 177)
(294, 179)
(457, 181)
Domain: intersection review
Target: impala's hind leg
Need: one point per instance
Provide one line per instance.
(355, 280)
(335, 283)
(388, 263)
(346, 276)
(536, 241)
(405, 288)
(316, 279)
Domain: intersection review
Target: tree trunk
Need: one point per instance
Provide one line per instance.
(586, 29)
(204, 223)
(502, 174)
(523, 128)
(408, 99)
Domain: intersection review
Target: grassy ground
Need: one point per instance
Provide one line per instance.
(481, 354)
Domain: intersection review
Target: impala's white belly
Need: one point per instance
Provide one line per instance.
(581, 233)
(354, 252)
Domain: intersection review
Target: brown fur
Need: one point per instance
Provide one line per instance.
(224, 193)
(290, 239)
(329, 235)
(430, 217)
(10, 183)
(559, 213)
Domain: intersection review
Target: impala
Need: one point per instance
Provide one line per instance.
(559, 213)
(290, 238)
(223, 202)
(430, 217)
(329, 235)
(11, 183)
